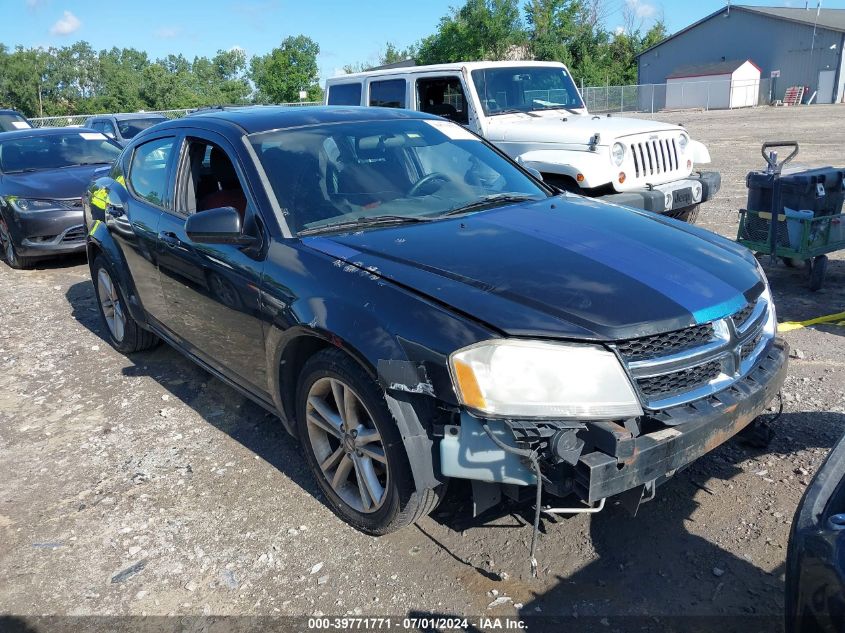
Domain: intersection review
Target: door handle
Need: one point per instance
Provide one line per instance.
(169, 239)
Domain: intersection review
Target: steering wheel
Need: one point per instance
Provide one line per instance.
(426, 180)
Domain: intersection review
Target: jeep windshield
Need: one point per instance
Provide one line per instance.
(525, 89)
(348, 176)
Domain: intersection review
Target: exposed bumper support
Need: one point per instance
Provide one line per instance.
(625, 462)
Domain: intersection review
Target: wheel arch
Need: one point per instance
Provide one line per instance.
(99, 243)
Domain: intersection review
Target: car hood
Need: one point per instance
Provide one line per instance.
(69, 182)
(563, 127)
(566, 267)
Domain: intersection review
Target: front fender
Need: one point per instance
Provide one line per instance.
(700, 153)
(594, 167)
(100, 242)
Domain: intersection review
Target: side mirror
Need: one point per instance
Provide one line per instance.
(217, 226)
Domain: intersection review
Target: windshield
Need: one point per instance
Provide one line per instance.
(525, 89)
(404, 170)
(129, 128)
(54, 151)
(9, 121)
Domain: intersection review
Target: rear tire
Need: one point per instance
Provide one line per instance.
(383, 498)
(122, 331)
(10, 254)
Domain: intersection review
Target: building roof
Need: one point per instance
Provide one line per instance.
(703, 70)
(832, 19)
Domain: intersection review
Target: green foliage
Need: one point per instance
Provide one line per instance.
(481, 29)
(284, 71)
(76, 79)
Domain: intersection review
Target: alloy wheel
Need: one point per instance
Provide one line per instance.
(111, 306)
(347, 445)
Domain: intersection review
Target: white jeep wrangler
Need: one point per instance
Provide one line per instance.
(534, 112)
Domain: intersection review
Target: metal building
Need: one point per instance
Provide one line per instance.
(794, 46)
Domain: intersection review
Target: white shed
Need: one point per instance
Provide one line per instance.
(730, 84)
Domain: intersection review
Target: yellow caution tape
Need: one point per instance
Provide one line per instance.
(833, 319)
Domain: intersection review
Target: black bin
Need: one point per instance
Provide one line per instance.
(821, 191)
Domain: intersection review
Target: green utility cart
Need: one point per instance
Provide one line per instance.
(807, 206)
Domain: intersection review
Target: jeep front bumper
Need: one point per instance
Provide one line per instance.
(672, 196)
(614, 459)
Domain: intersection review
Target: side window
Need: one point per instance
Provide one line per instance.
(345, 94)
(388, 94)
(443, 96)
(209, 180)
(148, 170)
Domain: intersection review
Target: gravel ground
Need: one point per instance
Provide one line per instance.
(142, 485)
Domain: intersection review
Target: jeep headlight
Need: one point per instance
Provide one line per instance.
(32, 205)
(541, 379)
(617, 152)
(683, 141)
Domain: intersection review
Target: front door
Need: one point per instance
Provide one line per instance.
(212, 290)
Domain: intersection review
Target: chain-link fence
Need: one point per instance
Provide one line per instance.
(679, 95)
(77, 120)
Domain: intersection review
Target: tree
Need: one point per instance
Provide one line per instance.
(481, 29)
(281, 74)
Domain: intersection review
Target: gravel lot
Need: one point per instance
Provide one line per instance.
(142, 485)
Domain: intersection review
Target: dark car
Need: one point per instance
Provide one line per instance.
(815, 561)
(416, 307)
(123, 127)
(43, 174)
(11, 120)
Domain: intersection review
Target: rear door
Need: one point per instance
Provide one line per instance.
(134, 215)
(212, 290)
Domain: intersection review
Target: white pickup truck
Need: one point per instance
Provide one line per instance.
(534, 112)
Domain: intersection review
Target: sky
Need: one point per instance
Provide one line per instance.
(347, 31)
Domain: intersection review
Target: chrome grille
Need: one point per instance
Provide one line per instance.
(680, 381)
(654, 156)
(663, 344)
(681, 366)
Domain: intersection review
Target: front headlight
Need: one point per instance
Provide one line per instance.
(541, 379)
(33, 205)
(771, 326)
(617, 152)
(683, 140)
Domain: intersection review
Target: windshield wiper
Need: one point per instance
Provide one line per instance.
(362, 222)
(487, 202)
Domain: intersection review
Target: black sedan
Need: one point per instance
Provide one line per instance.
(815, 561)
(11, 120)
(416, 307)
(43, 174)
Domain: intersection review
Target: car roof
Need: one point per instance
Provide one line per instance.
(42, 131)
(453, 67)
(9, 111)
(252, 119)
(129, 115)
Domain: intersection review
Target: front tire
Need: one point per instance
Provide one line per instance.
(10, 254)
(122, 331)
(354, 448)
(687, 214)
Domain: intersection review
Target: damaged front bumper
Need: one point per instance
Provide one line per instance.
(613, 458)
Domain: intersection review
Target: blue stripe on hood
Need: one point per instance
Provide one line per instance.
(688, 285)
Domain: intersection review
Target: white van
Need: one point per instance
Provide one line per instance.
(534, 112)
